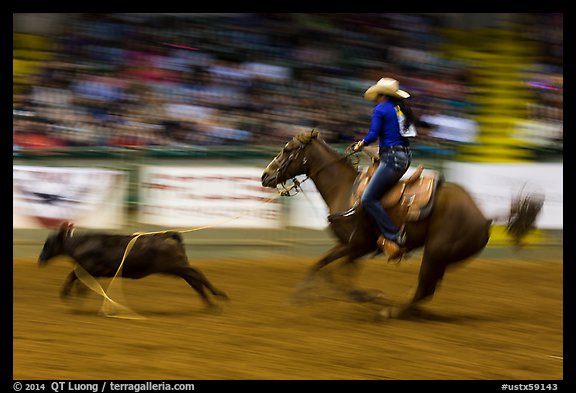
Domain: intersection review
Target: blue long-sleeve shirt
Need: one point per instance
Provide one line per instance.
(385, 127)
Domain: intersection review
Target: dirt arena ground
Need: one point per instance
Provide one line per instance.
(492, 319)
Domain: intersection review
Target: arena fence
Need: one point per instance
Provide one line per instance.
(127, 191)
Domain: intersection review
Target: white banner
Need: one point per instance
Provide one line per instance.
(494, 185)
(205, 196)
(307, 208)
(43, 197)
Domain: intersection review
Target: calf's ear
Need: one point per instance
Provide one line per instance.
(66, 229)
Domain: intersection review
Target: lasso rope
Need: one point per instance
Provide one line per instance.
(111, 308)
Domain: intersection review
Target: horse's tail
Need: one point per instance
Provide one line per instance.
(523, 213)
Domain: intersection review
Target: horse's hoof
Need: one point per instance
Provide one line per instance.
(364, 296)
(395, 312)
(385, 313)
(213, 309)
(305, 285)
(222, 295)
(298, 298)
(392, 312)
(303, 297)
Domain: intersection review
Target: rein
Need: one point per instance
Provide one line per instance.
(295, 182)
(110, 307)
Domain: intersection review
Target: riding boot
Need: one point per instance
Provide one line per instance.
(391, 248)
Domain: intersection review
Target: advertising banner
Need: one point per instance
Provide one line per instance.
(494, 185)
(43, 197)
(187, 197)
(307, 209)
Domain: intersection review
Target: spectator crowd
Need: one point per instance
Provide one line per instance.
(140, 80)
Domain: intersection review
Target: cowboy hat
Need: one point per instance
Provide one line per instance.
(386, 86)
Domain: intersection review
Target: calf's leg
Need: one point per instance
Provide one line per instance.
(67, 286)
(197, 280)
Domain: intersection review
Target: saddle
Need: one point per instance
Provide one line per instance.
(408, 200)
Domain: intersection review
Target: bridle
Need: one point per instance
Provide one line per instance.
(283, 166)
(280, 171)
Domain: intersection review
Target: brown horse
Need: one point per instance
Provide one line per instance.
(453, 231)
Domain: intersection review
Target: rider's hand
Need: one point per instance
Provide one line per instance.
(358, 145)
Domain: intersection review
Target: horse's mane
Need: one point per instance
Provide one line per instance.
(306, 137)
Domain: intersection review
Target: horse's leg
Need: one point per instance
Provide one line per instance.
(338, 251)
(348, 269)
(431, 272)
(351, 269)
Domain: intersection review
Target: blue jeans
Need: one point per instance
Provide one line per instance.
(392, 167)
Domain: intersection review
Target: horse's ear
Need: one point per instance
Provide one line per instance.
(66, 229)
(305, 137)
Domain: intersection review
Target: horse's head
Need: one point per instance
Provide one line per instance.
(290, 162)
